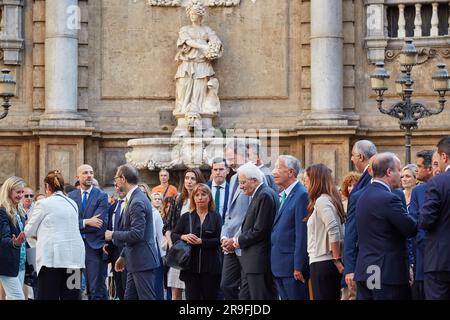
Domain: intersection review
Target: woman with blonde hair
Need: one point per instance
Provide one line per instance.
(325, 233)
(60, 252)
(409, 181)
(12, 238)
(156, 199)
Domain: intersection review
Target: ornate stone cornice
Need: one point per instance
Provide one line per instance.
(183, 3)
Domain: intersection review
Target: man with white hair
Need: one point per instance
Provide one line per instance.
(254, 239)
(289, 257)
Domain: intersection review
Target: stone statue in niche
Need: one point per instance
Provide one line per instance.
(198, 46)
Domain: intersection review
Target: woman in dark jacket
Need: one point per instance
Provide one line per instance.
(202, 280)
(192, 176)
(12, 239)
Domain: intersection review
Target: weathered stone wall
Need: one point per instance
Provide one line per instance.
(126, 88)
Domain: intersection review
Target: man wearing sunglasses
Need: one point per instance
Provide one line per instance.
(28, 200)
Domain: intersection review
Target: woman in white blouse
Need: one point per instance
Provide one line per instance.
(325, 233)
(60, 251)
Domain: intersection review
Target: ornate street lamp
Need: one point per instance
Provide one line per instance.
(407, 111)
(7, 90)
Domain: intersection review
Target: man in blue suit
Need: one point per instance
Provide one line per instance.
(362, 152)
(138, 238)
(220, 189)
(434, 218)
(383, 225)
(289, 256)
(424, 173)
(93, 219)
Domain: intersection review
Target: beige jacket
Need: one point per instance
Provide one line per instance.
(324, 228)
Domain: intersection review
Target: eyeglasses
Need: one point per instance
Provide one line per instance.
(28, 196)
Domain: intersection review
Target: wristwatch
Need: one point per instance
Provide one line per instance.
(336, 260)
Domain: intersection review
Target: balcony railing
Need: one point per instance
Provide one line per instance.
(390, 21)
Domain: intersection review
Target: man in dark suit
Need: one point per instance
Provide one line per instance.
(255, 156)
(383, 225)
(220, 189)
(93, 210)
(115, 216)
(434, 218)
(362, 152)
(289, 256)
(424, 173)
(138, 238)
(254, 239)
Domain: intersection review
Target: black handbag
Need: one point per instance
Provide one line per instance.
(179, 255)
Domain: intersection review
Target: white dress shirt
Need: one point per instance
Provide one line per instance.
(54, 221)
(448, 167)
(120, 213)
(383, 183)
(128, 196)
(87, 198)
(289, 189)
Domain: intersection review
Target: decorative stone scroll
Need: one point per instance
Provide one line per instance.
(11, 37)
(425, 54)
(184, 3)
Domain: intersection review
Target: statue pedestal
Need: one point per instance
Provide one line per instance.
(174, 153)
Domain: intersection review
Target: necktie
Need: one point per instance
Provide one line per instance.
(84, 200)
(283, 199)
(217, 199)
(117, 215)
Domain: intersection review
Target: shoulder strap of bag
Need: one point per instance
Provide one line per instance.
(190, 223)
(165, 192)
(76, 211)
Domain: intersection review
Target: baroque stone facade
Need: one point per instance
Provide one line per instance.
(94, 74)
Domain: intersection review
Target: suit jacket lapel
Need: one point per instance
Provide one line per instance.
(125, 211)
(91, 199)
(78, 202)
(238, 190)
(286, 202)
(252, 202)
(225, 203)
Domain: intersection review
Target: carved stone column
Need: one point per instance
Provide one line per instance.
(61, 64)
(327, 64)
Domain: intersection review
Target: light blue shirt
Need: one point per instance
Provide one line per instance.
(23, 249)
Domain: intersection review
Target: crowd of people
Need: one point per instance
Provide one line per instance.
(254, 233)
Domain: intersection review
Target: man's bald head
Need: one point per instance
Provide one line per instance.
(387, 167)
(85, 174)
(84, 167)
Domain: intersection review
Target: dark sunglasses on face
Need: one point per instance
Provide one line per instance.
(28, 196)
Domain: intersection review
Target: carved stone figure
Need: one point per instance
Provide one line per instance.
(198, 45)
